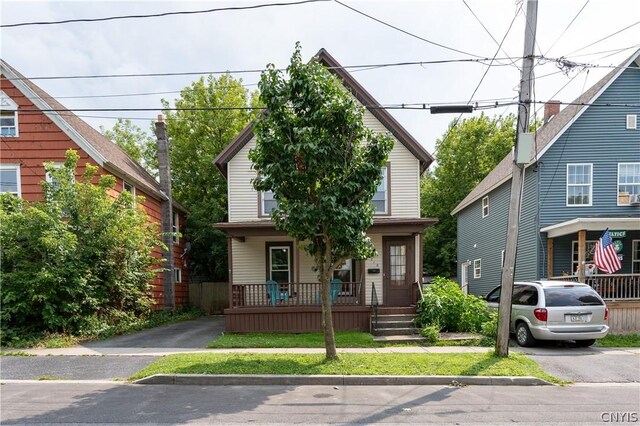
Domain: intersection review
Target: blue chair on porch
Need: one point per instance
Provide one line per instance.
(275, 292)
(336, 288)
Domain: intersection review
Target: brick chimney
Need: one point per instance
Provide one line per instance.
(551, 108)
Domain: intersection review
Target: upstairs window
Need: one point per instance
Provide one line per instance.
(628, 182)
(632, 121)
(485, 206)
(8, 116)
(267, 203)
(579, 179)
(10, 179)
(381, 197)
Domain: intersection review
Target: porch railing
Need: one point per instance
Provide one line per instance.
(610, 287)
(291, 294)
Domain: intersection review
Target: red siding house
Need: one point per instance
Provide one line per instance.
(35, 128)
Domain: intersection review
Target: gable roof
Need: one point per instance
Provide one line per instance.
(546, 135)
(104, 152)
(362, 96)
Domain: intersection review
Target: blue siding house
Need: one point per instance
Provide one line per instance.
(584, 178)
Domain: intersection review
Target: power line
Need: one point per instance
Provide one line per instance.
(250, 71)
(407, 32)
(158, 15)
(604, 38)
(567, 27)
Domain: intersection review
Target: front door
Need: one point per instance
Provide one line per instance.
(399, 273)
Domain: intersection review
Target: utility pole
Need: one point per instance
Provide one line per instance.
(164, 168)
(520, 160)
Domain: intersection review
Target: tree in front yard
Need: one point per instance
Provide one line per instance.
(322, 165)
(78, 262)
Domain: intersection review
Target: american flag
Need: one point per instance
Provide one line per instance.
(605, 256)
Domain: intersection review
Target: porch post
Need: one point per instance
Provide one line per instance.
(549, 257)
(230, 270)
(582, 251)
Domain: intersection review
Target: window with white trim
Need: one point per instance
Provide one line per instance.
(267, 203)
(590, 249)
(477, 268)
(635, 257)
(628, 182)
(8, 116)
(632, 121)
(579, 187)
(10, 179)
(279, 268)
(175, 227)
(381, 197)
(485, 206)
(177, 275)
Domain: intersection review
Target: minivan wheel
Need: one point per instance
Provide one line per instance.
(585, 343)
(523, 335)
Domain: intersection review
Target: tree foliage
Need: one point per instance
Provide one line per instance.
(196, 138)
(323, 166)
(466, 154)
(77, 262)
(137, 143)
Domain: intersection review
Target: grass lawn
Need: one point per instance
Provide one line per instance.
(473, 364)
(344, 339)
(619, 341)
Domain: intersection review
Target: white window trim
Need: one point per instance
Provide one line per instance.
(133, 188)
(618, 186)
(387, 190)
(485, 206)
(16, 167)
(177, 275)
(7, 104)
(175, 227)
(47, 177)
(632, 121)
(566, 196)
(574, 243)
(634, 260)
(263, 212)
(477, 268)
(289, 261)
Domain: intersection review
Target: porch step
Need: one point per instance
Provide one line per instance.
(399, 339)
(392, 310)
(404, 331)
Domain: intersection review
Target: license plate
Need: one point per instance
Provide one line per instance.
(577, 318)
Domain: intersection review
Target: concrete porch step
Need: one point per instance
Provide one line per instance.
(395, 331)
(395, 324)
(399, 339)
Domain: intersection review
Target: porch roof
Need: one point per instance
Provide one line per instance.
(629, 223)
(257, 228)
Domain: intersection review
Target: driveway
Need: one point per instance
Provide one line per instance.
(588, 365)
(192, 334)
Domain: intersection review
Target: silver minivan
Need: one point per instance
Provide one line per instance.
(554, 310)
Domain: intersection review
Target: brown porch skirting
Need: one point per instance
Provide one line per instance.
(295, 319)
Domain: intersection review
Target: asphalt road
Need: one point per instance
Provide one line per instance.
(58, 402)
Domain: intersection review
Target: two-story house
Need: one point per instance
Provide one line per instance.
(35, 128)
(258, 252)
(583, 179)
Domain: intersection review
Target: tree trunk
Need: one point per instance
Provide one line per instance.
(327, 318)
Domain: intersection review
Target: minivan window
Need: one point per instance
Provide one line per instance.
(571, 296)
(525, 295)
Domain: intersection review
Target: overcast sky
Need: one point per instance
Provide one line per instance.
(249, 39)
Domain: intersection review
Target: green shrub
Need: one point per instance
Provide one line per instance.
(430, 332)
(77, 263)
(490, 327)
(444, 303)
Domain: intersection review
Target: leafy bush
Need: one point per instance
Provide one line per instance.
(430, 332)
(490, 327)
(77, 263)
(444, 303)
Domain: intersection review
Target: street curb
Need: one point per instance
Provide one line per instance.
(336, 380)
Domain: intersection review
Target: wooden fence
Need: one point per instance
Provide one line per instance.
(211, 297)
